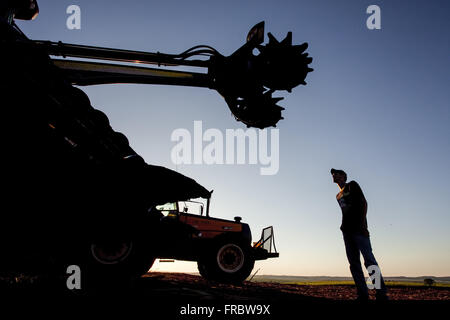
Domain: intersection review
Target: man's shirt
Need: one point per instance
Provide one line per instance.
(354, 209)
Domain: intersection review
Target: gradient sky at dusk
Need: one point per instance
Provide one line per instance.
(377, 105)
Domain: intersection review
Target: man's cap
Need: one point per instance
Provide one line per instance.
(333, 171)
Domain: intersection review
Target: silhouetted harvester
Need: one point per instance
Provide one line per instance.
(91, 199)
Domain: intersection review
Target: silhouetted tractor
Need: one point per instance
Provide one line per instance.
(222, 248)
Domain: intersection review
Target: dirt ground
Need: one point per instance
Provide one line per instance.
(160, 284)
(173, 293)
(192, 285)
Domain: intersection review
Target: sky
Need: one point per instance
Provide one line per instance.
(376, 105)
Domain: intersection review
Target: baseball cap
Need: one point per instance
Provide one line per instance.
(333, 171)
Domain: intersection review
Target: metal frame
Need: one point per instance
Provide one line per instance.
(86, 73)
(246, 81)
(262, 241)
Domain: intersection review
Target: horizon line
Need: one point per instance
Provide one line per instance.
(310, 276)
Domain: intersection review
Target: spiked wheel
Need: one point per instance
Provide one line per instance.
(247, 81)
(260, 111)
(285, 66)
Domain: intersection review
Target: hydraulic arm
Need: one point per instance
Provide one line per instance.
(246, 80)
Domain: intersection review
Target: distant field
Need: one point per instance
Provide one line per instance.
(443, 282)
(388, 283)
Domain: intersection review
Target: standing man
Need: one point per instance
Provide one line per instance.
(356, 235)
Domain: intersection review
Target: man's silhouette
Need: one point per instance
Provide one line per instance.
(356, 235)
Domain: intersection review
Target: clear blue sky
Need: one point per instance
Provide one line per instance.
(377, 105)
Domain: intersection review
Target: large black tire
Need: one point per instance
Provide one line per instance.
(228, 261)
(116, 264)
(203, 270)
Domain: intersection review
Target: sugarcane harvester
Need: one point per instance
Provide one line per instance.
(76, 192)
(245, 80)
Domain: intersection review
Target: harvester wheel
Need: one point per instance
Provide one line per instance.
(203, 270)
(117, 262)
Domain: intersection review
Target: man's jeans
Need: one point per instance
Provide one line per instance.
(354, 244)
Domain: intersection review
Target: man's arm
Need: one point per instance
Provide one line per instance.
(358, 196)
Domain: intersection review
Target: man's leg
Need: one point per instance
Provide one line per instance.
(365, 247)
(351, 248)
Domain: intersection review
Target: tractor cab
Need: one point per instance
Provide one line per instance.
(175, 210)
(195, 214)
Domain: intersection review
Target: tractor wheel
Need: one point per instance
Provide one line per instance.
(203, 270)
(229, 261)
